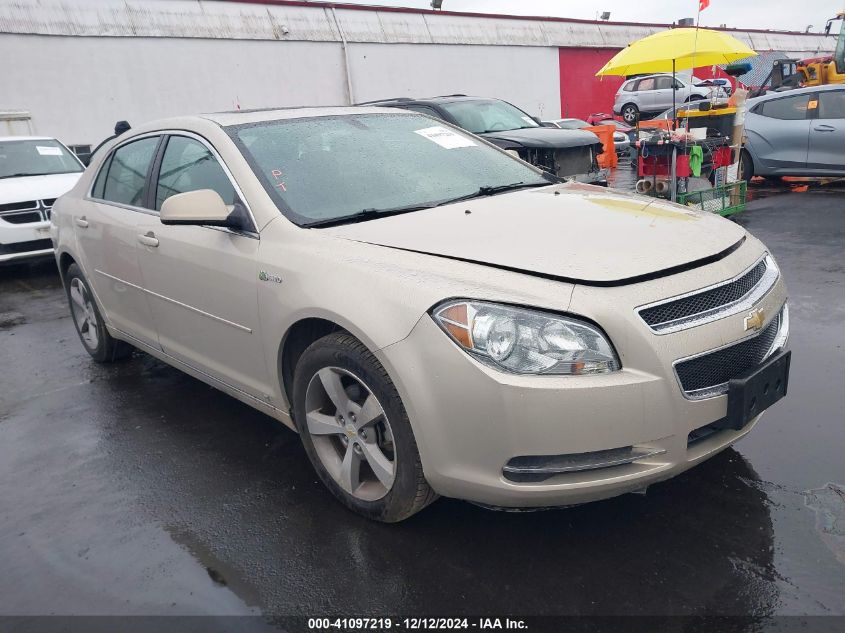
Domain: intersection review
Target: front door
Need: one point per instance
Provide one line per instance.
(201, 281)
(780, 132)
(106, 229)
(827, 133)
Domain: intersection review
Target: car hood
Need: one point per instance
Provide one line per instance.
(28, 188)
(572, 232)
(543, 137)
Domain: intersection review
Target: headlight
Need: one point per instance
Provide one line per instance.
(526, 341)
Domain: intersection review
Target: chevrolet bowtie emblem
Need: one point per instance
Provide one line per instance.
(754, 320)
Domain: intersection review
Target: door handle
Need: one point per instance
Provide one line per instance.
(82, 223)
(824, 128)
(149, 239)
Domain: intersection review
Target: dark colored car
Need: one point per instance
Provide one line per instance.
(564, 153)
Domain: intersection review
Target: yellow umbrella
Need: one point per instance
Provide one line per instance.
(676, 49)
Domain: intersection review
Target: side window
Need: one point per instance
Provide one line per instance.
(678, 85)
(646, 84)
(629, 86)
(832, 104)
(100, 182)
(188, 165)
(663, 83)
(127, 173)
(787, 109)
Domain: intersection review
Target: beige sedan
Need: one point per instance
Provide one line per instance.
(432, 315)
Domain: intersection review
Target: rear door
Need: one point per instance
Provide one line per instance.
(106, 230)
(663, 93)
(202, 280)
(827, 133)
(779, 131)
(646, 95)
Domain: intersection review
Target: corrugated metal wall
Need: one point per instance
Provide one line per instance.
(80, 65)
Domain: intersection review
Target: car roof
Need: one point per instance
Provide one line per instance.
(26, 138)
(237, 117)
(797, 91)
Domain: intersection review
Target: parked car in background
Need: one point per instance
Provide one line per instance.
(34, 171)
(621, 141)
(796, 133)
(567, 124)
(565, 153)
(642, 96)
(431, 314)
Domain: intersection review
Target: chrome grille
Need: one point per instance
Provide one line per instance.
(712, 303)
(708, 374)
(26, 212)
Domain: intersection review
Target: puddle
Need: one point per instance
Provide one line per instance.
(828, 503)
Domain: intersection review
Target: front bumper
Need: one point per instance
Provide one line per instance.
(24, 241)
(471, 421)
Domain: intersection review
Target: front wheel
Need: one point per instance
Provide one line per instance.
(356, 432)
(88, 320)
(630, 113)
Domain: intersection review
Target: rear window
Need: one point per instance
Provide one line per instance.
(787, 109)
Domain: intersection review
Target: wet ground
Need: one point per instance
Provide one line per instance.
(134, 489)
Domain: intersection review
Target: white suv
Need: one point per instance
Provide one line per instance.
(653, 93)
(34, 171)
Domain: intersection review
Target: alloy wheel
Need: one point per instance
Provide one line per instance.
(84, 316)
(350, 433)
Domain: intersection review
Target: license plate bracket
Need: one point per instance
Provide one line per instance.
(756, 391)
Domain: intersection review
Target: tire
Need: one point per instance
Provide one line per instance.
(88, 320)
(339, 368)
(746, 166)
(630, 113)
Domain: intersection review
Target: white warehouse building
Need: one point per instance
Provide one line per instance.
(71, 68)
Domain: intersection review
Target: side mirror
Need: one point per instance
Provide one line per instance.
(203, 206)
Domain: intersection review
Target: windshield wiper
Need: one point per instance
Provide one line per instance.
(494, 189)
(21, 175)
(367, 214)
(371, 214)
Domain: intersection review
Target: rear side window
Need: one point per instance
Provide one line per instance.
(628, 87)
(100, 183)
(188, 165)
(646, 84)
(127, 173)
(787, 109)
(832, 104)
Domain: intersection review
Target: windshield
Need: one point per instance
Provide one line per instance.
(488, 115)
(35, 158)
(321, 168)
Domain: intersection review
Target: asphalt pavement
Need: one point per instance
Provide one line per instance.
(135, 489)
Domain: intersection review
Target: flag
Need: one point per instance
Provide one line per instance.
(703, 4)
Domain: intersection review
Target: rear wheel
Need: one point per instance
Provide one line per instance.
(630, 113)
(356, 432)
(88, 321)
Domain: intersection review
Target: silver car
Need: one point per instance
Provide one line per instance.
(653, 93)
(796, 133)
